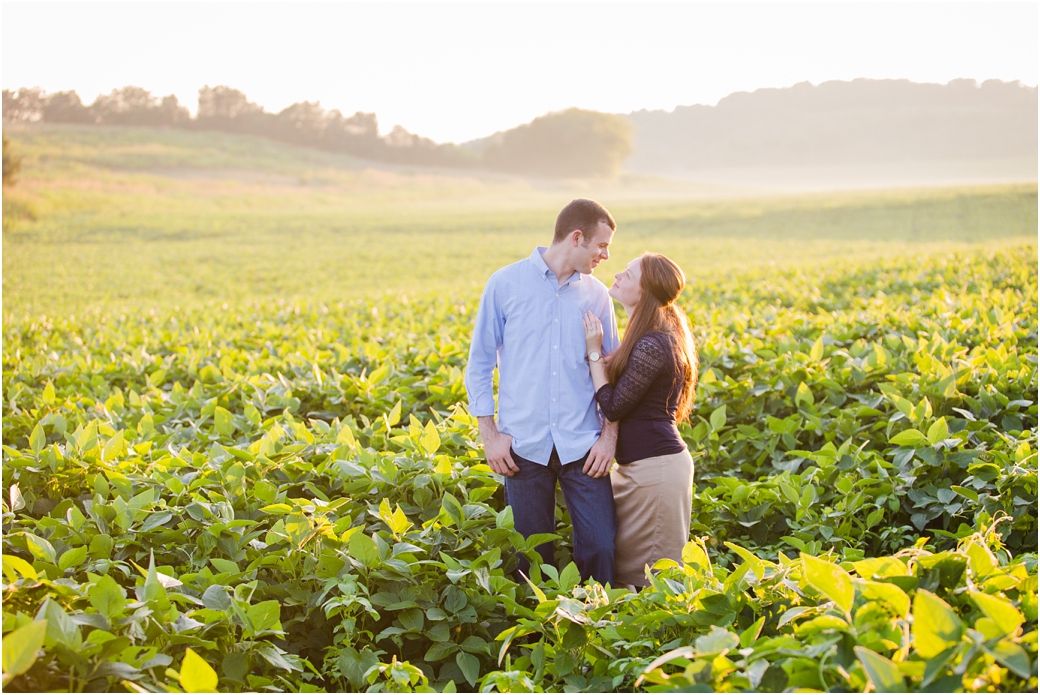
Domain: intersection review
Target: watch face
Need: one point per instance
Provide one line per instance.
(594, 356)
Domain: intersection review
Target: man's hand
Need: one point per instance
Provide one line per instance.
(496, 448)
(601, 455)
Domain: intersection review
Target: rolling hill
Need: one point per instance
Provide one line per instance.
(847, 134)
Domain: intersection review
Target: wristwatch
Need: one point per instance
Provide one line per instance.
(594, 356)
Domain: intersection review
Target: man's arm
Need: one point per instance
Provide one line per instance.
(483, 357)
(601, 456)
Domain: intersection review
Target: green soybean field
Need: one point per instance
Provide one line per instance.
(237, 455)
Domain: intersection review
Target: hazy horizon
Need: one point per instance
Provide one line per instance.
(458, 72)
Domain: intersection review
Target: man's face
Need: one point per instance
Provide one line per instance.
(593, 251)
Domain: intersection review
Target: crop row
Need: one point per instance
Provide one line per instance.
(288, 497)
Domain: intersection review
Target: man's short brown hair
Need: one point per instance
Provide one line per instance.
(581, 214)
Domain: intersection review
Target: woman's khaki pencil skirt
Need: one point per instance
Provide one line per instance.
(652, 498)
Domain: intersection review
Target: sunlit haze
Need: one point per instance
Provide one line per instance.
(454, 72)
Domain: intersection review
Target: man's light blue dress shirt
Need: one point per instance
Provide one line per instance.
(532, 328)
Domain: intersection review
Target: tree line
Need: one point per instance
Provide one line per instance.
(571, 143)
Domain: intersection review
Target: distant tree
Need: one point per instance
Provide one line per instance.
(137, 106)
(571, 143)
(65, 107)
(12, 164)
(358, 134)
(408, 148)
(171, 113)
(24, 105)
(303, 123)
(224, 108)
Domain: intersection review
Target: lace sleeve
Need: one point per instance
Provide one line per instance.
(648, 358)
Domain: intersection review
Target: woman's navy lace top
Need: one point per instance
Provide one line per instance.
(646, 400)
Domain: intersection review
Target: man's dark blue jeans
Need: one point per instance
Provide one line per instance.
(590, 501)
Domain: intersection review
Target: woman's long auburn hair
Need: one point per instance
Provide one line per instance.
(661, 283)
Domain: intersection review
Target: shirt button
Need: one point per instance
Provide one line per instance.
(554, 424)
(554, 347)
(554, 373)
(554, 400)
(556, 320)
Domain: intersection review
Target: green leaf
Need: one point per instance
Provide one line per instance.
(279, 508)
(889, 593)
(911, 438)
(980, 560)
(884, 675)
(938, 431)
(816, 353)
(753, 561)
(196, 676)
(216, 598)
(363, 549)
(718, 418)
(394, 416)
(1000, 610)
(115, 447)
(470, 666)
(60, 627)
(830, 580)
(966, 492)
(504, 519)
(156, 520)
(15, 566)
(718, 641)
(750, 635)
(154, 591)
(902, 405)
(412, 619)
(880, 566)
(101, 546)
(72, 557)
(235, 665)
(803, 395)
(430, 440)
(570, 577)
(21, 647)
(354, 665)
(265, 616)
(936, 627)
(224, 566)
(39, 547)
(947, 387)
(107, 597)
(38, 439)
(1006, 652)
(440, 650)
(223, 421)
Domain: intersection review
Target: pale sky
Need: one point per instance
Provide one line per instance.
(458, 71)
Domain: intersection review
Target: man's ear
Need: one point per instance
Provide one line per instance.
(577, 236)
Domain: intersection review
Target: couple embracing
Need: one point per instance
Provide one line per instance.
(572, 397)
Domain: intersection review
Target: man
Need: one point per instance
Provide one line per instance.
(549, 429)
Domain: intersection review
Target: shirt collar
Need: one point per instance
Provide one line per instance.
(543, 270)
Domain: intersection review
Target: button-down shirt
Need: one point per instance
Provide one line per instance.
(532, 327)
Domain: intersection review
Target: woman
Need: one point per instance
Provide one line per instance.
(647, 384)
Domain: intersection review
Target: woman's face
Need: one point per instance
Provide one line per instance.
(626, 284)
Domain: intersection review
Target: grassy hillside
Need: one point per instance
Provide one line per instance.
(139, 217)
